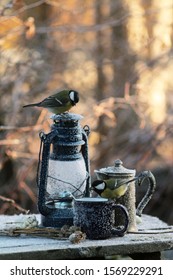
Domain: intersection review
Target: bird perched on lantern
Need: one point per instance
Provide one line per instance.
(111, 188)
(59, 102)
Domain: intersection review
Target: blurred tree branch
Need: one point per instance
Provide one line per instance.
(14, 204)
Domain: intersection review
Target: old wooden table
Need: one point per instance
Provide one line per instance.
(137, 246)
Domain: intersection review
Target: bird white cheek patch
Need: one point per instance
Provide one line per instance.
(100, 187)
(72, 95)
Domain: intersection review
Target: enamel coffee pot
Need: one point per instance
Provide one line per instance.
(119, 174)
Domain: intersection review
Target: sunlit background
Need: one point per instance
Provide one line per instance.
(119, 56)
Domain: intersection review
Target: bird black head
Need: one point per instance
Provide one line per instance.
(74, 97)
(98, 186)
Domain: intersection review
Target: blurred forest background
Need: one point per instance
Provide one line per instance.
(119, 56)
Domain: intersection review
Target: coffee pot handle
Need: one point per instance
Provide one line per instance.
(151, 189)
(121, 231)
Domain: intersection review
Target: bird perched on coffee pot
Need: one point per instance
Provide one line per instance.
(59, 102)
(111, 189)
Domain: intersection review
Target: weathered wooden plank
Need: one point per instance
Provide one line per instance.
(24, 247)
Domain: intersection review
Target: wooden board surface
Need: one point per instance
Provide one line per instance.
(24, 247)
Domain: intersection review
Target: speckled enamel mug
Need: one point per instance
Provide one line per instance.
(95, 217)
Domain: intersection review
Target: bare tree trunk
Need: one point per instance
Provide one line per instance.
(99, 53)
(123, 59)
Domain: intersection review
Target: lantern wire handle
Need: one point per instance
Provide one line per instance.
(84, 149)
(39, 161)
(87, 129)
(42, 136)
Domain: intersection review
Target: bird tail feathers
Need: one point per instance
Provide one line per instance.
(31, 105)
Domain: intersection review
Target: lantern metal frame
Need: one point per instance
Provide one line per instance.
(64, 149)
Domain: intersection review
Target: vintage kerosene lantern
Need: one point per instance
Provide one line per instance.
(63, 170)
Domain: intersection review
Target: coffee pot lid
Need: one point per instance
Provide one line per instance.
(118, 169)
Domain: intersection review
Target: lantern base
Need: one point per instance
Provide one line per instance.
(58, 218)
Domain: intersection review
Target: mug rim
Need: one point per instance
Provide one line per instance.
(92, 199)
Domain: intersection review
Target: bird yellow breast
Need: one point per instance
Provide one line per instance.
(60, 110)
(116, 193)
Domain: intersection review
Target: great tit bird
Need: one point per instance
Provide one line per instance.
(59, 102)
(110, 188)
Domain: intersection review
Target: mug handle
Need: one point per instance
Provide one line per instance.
(151, 189)
(121, 231)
